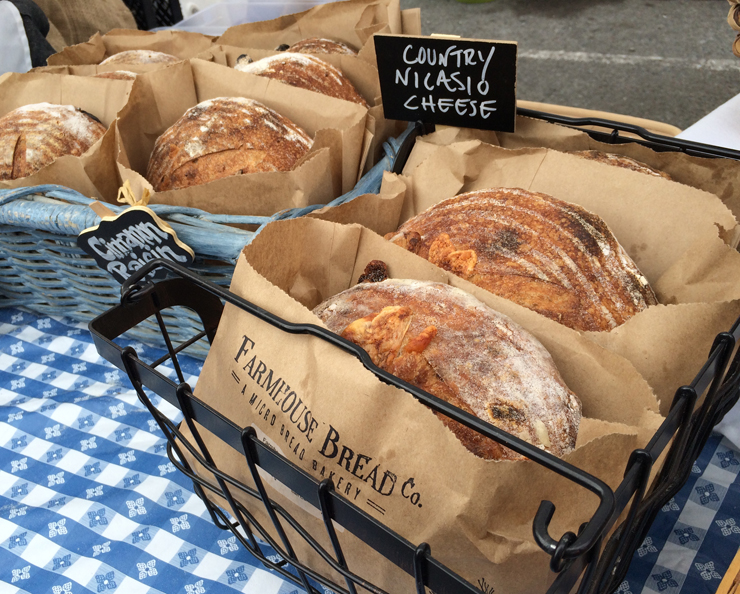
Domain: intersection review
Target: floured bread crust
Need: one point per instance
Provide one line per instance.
(305, 72)
(448, 343)
(34, 136)
(548, 255)
(621, 161)
(320, 45)
(140, 57)
(117, 75)
(222, 137)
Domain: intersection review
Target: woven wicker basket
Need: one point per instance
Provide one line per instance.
(42, 268)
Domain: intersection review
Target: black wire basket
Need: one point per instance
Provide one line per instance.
(592, 558)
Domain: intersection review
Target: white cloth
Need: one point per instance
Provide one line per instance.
(15, 55)
(720, 127)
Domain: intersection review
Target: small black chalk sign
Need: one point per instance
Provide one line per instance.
(124, 243)
(450, 81)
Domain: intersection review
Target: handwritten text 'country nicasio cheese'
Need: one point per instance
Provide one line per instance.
(449, 77)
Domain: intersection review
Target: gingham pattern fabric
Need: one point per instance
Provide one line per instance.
(89, 501)
(697, 533)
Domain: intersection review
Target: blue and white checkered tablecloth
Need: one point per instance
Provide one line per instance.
(89, 501)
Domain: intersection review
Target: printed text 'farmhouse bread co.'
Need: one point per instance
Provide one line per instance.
(448, 343)
(548, 255)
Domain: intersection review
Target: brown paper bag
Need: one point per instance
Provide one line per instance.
(330, 168)
(716, 176)
(94, 173)
(670, 230)
(657, 221)
(292, 266)
(352, 22)
(182, 44)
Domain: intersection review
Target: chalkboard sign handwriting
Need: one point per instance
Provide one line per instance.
(123, 244)
(449, 81)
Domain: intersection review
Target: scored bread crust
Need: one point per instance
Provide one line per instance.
(140, 57)
(222, 137)
(548, 255)
(621, 161)
(34, 136)
(321, 45)
(450, 344)
(117, 75)
(306, 72)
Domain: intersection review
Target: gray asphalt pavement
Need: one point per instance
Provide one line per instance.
(667, 60)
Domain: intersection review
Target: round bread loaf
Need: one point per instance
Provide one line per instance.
(140, 57)
(320, 45)
(117, 75)
(222, 137)
(33, 136)
(548, 255)
(621, 161)
(450, 344)
(305, 72)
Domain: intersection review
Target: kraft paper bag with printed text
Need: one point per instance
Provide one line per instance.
(385, 452)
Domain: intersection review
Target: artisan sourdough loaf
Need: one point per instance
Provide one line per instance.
(34, 136)
(450, 344)
(551, 256)
(117, 75)
(321, 45)
(621, 161)
(140, 57)
(306, 72)
(222, 137)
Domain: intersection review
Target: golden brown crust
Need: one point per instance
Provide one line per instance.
(117, 75)
(320, 45)
(305, 72)
(453, 346)
(33, 136)
(222, 137)
(621, 161)
(548, 255)
(140, 57)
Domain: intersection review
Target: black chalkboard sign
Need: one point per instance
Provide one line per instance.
(451, 81)
(124, 243)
